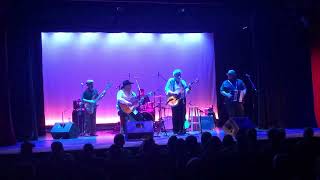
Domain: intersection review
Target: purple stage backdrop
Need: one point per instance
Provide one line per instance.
(149, 58)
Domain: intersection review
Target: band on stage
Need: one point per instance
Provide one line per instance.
(138, 107)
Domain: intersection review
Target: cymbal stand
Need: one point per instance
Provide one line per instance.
(161, 125)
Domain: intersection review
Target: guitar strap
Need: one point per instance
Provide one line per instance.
(173, 83)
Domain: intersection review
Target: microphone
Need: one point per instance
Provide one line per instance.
(82, 84)
(247, 75)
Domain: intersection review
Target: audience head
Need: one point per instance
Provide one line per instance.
(191, 140)
(148, 145)
(308, 133)
(115, 152)
(192, 145)
(276, 135)
(205, 138)
(172, 142)
(88, 148)
(26, 148)
(214, 144)
(273, 133)
(180, 147)
(282, 134)
(228, 140)
(57, 147)
(252, 134)
(119, 140)
(241, 135)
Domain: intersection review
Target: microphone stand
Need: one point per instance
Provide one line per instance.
(252, 84)
(255, 94)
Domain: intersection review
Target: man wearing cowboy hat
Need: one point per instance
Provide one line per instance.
(126, 96)
(233, 90)
(88, 96)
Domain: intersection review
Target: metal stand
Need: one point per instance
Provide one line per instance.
(161, 126)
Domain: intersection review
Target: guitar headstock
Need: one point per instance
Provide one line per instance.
(194, 81)
(151, 93)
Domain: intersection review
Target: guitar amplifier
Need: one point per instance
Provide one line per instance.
(139, 130)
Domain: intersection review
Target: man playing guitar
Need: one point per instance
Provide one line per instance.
(178, 87)
(127, 97)
(88, 96)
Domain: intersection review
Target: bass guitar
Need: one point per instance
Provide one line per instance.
(173, 99)
(91, 106)
(135, 104)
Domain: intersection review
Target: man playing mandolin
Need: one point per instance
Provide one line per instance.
(177, 88)
(88, 97)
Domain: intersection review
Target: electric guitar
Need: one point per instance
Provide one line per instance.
(174, 98)
(135, 104)
(91, 106)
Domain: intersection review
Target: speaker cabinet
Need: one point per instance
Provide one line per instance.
(64, 131)
(139, 129)
(207, 122)
(233, 125)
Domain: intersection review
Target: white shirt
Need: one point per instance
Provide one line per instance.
(124, 98)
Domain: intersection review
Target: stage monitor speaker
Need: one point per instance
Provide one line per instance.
(139, 129)
(207, 122)
(233, 125)
(64, 130)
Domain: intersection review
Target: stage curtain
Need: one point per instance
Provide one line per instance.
(7, 136)
(316, 81)
(25, 75)
(275, 51)
(282, 54)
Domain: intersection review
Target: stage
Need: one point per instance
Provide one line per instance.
(105, 140)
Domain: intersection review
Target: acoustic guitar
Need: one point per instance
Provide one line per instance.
(135, 104)
(90, 107)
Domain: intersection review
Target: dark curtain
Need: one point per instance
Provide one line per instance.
(24, 74)
(275, 51)
(7, 136)
(314, 18)
(282, 54)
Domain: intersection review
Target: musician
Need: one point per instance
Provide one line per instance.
(233, 90)
(178, 87)
(88, 96)
(126, 96)
(143, 96)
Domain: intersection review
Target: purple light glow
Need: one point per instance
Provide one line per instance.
(115, 38)
(72, 58)
(143, 37)
(192, 37)
(61, 37)
(86, 38)
(170, 37)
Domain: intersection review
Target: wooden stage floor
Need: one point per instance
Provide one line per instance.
(105, 140)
